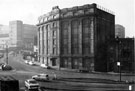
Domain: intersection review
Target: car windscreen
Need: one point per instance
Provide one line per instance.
(33, 82)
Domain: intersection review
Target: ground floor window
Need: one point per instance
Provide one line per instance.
(64, 62)
(76, 63)
(53, 62)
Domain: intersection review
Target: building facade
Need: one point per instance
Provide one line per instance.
(76, 37)
(15, 33)
(4, 39)
(22, 35)
(119, 31)
(4, 29)
(29, 33)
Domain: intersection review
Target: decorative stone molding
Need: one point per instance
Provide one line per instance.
(57, 13)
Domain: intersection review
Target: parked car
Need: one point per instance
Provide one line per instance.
(45, 66)
(31, 63)
(85, 70)
(41, 77)
(26, 61)
(6, 67)
(31, 84)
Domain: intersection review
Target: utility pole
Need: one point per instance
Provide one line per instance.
(6, 52)
(119, 65)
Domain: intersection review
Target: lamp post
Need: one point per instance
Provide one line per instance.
(119, 65)
(6, 52)
(118, 61)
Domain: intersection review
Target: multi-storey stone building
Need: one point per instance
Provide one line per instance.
(76, 37)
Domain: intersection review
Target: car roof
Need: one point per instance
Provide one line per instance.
(42, 74)
(31, 80)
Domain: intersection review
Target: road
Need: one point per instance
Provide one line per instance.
(66, 80)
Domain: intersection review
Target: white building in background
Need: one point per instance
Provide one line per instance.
(22, 35)
(4, 29)
(18, 35)
(4, 37)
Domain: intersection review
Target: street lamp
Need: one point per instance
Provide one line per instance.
(118, 61)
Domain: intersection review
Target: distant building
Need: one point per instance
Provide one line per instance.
(4, 29)
(22, 35)
(29, 33)
(75, 38)
(15, 33)
(4, 39)
(119, 31)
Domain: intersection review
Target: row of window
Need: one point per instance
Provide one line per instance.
(48, 37)
(49, 26)
(86, 38)
(74, 34)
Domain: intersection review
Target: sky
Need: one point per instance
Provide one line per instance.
(28, 11)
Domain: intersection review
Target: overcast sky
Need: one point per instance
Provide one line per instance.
(29, 10)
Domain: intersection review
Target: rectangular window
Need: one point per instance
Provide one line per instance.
(54, 33)
(75, 63)
(54, 42)
(54, 50)
(54, 62)
(64, 62)
(42, 40)
(87, 36)
(64, 37)
(75, 36)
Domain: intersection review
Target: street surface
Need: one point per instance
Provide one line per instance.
(67, 81)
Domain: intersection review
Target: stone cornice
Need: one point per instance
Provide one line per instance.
(75, 11)
(57, 13)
